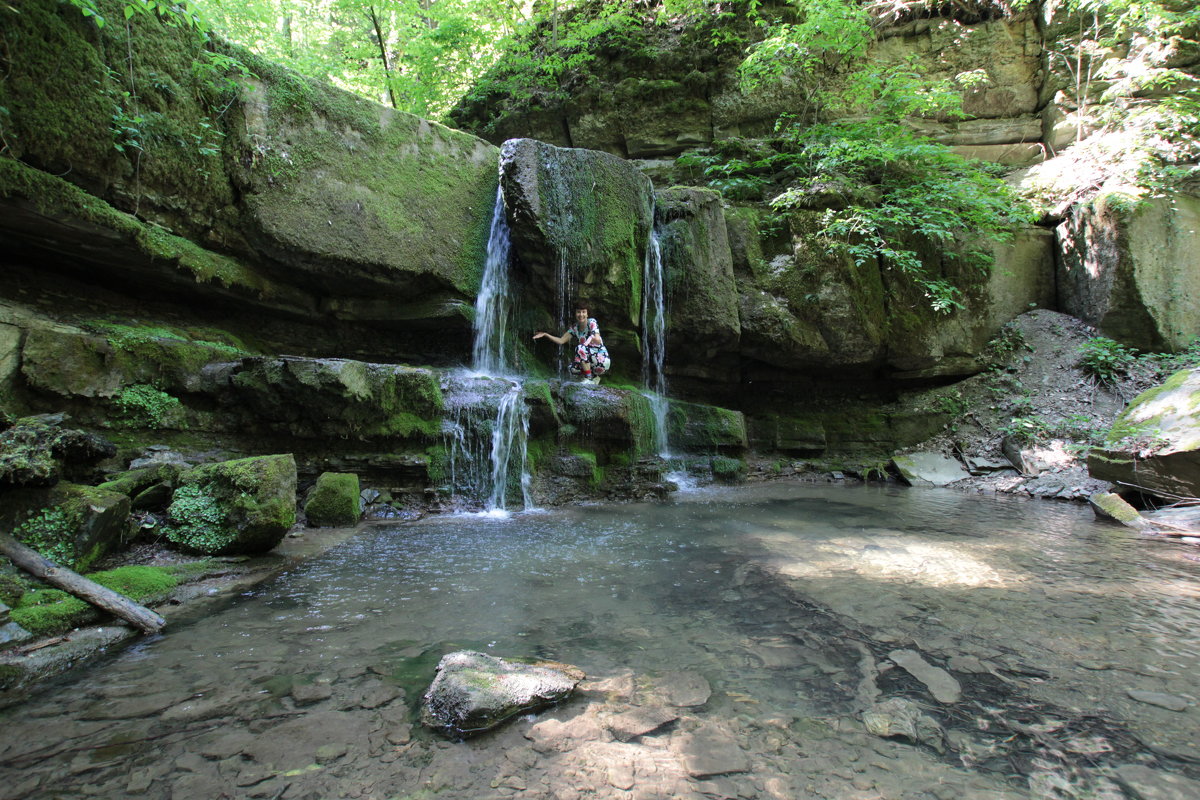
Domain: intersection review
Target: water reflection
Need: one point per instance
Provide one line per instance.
(784, 601)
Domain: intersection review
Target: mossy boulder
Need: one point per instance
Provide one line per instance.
(147, 487)
(1154, 446)
(706, 429)
(610, 418)
(322, 397)
(728, 470)
(71, 524)
(702, 296)
(475, 692)
(335, 501)
(600, 244)
(233, 507)
(38, 451)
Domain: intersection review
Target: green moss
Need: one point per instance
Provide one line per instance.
(134, 481)
(10, 676)
(334, 501)
(11, 588)
(54, 197)
(46, 612)
(728, 470)
(421, 189)
(705, 428)
(536, 452)
(597, 477)
(245, 505)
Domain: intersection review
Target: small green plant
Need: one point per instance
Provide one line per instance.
(144, 405)
(1105, 359)
(196, 520)
(1027, 430)
(51, 532)
(954, 404)
(1004, 346)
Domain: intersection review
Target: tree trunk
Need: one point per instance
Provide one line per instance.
(102, 597)
(387, 70)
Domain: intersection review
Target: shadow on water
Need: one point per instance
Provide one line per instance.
(787, 603)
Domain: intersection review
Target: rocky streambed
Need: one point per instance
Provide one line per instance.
(784, 641)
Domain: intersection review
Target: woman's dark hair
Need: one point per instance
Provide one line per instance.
(580, 305)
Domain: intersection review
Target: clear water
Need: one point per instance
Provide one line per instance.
(784, 600)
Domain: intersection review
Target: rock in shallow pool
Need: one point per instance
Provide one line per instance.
(474, 692)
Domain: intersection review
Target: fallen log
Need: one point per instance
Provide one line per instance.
(102, 597)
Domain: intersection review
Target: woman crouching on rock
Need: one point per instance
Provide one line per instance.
(591, 356)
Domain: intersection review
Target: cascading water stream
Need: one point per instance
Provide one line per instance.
(492, 307)
(654, 350)
(476, 432)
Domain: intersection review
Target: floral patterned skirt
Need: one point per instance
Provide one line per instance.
(590, 359)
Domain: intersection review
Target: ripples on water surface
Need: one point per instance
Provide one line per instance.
(785, 600)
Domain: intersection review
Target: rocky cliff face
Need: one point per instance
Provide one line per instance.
(232, 261)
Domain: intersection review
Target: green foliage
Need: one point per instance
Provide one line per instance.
(143, 405)
(1105, 359)
(196, 520)
(830, 35)
(1165, 364)
(1028, 430)
(896, 194)
(181, 13)
(51, 532)
(1004, 346)
(1137, 119)
(953, 404)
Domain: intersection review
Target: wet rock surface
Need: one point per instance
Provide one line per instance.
(475, 692)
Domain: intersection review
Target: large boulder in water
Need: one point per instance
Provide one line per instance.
(1155, 444)
(474, 692)
(241, 506)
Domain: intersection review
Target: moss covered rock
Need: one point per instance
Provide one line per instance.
(610, 418)
(321, 397)
(600, 244)
(706, 429)
(702, 297)
(241, 506)
(37, 451)
(70, 524)
(334, 501)
(1154, 446)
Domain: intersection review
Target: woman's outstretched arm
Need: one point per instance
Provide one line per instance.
(556, 339)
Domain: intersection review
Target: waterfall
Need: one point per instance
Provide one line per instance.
(654, 347)
(510, 435)
(493, 306)
(487, 433)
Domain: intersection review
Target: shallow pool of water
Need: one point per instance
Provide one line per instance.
(766, 620)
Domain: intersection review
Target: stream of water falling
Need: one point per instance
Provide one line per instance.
(654, 339)
(502, 436)
(761, 621)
